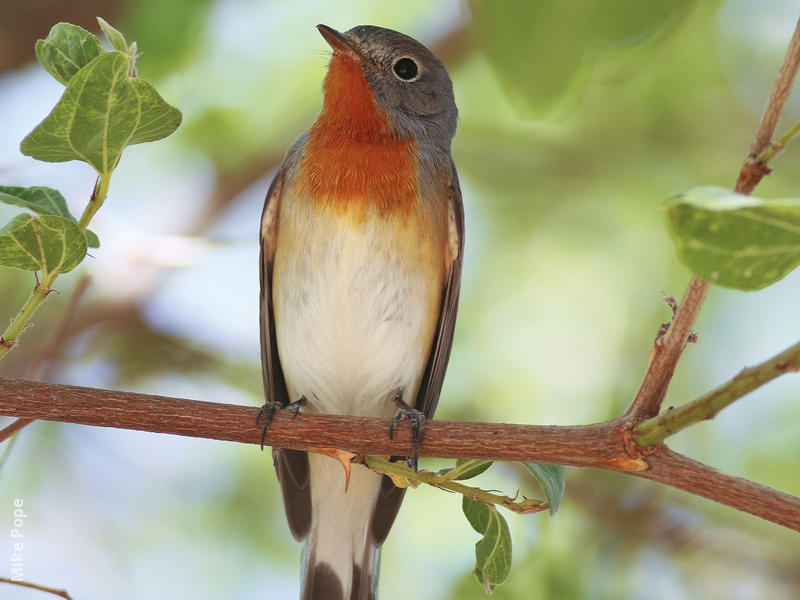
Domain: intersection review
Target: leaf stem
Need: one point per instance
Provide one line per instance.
(96, 201)
(381, 465)
(10, 336)
(657, 429)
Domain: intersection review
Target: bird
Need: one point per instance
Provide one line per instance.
(361, 251)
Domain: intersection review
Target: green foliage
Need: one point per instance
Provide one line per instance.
(115, 38)
(103, 109)
(91, 239)
(543, 51)
(553, 480)
(734, 240)
(44, 201)
(47, 243)
(66, 50)
(493, 550)
(40, 199)
(466, 468)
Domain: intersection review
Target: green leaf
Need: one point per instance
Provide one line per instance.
(157, 119)
(466, 468)
(44, 201)
(493, 550)
(543, 52)
(49, 243)
(115, 38)
(41, 200)
(102, 111)
(553, 480)
(734, 240)
(91, 239)
(66, 50)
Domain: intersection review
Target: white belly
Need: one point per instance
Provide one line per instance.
(355, 307)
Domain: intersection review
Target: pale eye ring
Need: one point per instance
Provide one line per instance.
(406, 69)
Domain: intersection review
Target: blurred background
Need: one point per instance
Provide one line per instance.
(576, 121)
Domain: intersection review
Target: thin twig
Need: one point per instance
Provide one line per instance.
(755, 168)
(414, 478)
(36, 586)
(707, 406)
(768, 153)
(781, 91)
(667, 353)
(9, 432)
(11, 429)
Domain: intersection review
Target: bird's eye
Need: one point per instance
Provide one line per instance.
(405, 68)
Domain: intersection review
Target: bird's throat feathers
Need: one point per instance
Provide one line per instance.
(353, 160)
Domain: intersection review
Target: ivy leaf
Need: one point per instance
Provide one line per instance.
(44, 201)
(553, 480)
(734, 240)
(102, 111)
(66, 50)
(48, 243)
(41, 200)
(466, 468)
(115, 37)
(493, 550)
(91, 239)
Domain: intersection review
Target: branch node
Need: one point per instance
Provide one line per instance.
(671, 302)
(751, 174)
(8, 344)
(662, 331)
(635, 451)
(661, 334)
(790, 365)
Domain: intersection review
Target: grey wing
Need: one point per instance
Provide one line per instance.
(291, 465)
(432, 380)
(390, 496)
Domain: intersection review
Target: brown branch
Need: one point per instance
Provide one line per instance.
(13, 428)
(681, 472)
(36, 586)
(753, 171)
(667, 352)
(668, 348)
(601, 445)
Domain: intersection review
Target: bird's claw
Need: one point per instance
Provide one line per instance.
(417, 421)
(267, 412)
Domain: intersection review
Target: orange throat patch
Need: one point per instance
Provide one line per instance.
(353, 161)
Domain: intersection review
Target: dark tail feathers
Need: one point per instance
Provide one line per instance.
(322, 583)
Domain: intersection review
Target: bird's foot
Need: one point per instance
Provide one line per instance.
(417, 421)
(267, 412)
